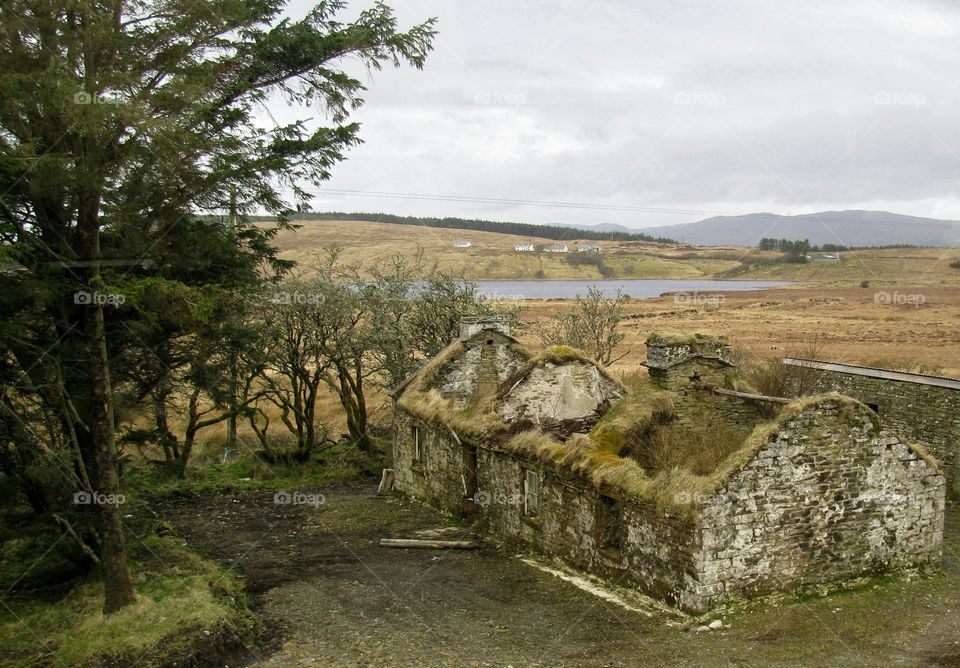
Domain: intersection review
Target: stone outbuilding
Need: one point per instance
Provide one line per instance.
(688, 487)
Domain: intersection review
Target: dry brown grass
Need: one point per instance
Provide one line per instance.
(476, 419)
(848, 325)
(773, 378)
(631, 417)
(674, 446)
(493, 257)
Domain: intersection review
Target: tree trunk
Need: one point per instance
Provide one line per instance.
(351, 398)
(118, 586)
(168, 441)
(190, 435)
(100, 436)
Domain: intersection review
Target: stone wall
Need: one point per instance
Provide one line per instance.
(559, 392)
(436, 478)
(475, 325)
(697, 406)
(663, 355)
(656, 550)
(490, 358)
(830, 498)
(918, 412)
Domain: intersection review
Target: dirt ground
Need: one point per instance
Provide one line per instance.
(330, 596)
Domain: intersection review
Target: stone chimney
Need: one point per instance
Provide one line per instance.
(669, 355)
(497, 323)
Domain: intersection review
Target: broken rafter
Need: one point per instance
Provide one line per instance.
(754, 397)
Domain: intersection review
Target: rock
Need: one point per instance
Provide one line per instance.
(715, 624)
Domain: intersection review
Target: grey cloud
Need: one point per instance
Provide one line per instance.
(688, 105)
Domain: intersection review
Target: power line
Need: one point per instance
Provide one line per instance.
(522, 202)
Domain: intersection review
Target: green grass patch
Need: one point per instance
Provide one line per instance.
(340, 464)
(178, 596)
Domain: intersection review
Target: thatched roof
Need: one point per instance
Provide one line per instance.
(418, 395)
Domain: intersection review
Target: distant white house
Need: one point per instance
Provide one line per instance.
(524, 248)
(824, 257)
(462, 243)
(557, 248)
(588, 248)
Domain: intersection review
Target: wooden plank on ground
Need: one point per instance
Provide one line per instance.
(430, 544)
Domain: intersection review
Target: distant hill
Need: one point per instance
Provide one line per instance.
(846, 228)
(556, 232)
(601, 227)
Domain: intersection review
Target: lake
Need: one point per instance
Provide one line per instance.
(505, 290)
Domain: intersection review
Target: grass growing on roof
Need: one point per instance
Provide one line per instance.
(630, 416)
(597, 457)
(559, 355)
(477, 418)
(679, 339)
(419, 397)
(534, 443)
(684, 485)
(429, 373)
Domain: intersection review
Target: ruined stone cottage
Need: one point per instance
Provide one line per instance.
(685, 487)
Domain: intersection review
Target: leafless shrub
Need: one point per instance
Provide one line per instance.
(908, 365)
(591, 325)
(774, 378)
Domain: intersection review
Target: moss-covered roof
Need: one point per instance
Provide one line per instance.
(597, 457)
(680, 339)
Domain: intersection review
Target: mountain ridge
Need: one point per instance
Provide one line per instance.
(851, 227)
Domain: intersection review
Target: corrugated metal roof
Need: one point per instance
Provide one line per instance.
(874, 372)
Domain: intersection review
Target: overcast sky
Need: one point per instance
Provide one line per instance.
(729, 106)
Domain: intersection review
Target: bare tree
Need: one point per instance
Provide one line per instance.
(591, 325)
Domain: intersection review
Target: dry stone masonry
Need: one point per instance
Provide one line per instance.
(823, 491)
(919, 407)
